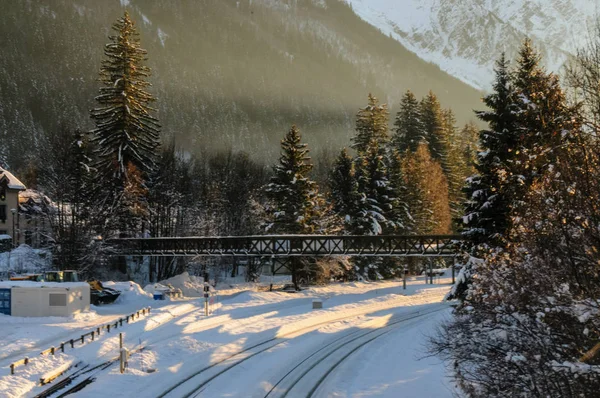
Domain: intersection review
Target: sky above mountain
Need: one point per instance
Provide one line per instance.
(465, 37)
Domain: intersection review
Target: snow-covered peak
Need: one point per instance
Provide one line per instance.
(464, 37)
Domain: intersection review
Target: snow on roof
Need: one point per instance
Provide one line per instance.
(32, 201)
(9, 284)
(12, 181)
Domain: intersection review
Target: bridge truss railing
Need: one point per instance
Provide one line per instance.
(292, 245)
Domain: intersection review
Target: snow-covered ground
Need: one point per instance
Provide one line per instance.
(368, 340)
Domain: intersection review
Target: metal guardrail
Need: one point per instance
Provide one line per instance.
(92, 336)
(291, 245)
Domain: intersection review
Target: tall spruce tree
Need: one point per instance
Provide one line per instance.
(469, 142)
(427, 193)
(487, 209)
(65, 175)
(293, 194)
(367, 217)
(543, 116)
(454, 165)
(126, 134)
(492, 191)
(373, 181)
(373, 210)
(344, 189)
(371, 125)
(408, 128)
(527, 326)
(400, 213)
(294, 197)
(433, 126)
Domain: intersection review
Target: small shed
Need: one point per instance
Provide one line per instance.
(36, 299)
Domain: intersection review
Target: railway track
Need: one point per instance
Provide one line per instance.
(91, 372)
(88, 371)
(210, 372)
(305, 378)
(194, 384)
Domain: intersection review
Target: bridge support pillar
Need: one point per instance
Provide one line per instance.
(431, 271)
(453, 267)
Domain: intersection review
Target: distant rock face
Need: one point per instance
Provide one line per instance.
(464, 37)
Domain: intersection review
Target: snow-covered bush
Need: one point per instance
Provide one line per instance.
(529, 325)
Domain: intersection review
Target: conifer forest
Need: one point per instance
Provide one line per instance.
(518, 178)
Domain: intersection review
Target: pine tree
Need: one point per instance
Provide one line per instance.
(542, 116)
(371, 125)
(294, 196)
(488, 206)
(527, 326)
(454, 166)
(126, 133)
(432, 121)
(65, 175)
(366, 217)
(427, 193)
(372, 210)
(469, 142)
(400, 207)
(373, 181)
(408, 131)
(344, 189)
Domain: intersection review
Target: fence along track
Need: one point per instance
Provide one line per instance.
(96, 369)
(82, 339)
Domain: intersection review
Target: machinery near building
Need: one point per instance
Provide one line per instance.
(48, 276)
(100, 294)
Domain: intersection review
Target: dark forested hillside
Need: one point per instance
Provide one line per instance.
(227, 74)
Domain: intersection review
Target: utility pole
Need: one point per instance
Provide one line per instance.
(14, 239)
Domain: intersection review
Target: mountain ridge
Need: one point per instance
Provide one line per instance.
(442, 31)
(227, 75)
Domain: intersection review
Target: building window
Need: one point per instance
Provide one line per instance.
(58, 300)
(3, 213)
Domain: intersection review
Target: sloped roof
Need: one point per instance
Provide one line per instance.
(35, 202)
(12, 181)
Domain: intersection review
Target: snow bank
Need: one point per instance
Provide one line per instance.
(24, 259)
(130, 291)
(191, 286)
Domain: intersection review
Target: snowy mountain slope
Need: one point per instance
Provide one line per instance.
(228, 74)
(464, 37)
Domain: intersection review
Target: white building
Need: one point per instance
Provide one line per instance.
(35, 299)
(10, 187)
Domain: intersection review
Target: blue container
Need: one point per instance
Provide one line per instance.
(5, 301)
(157, 296)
